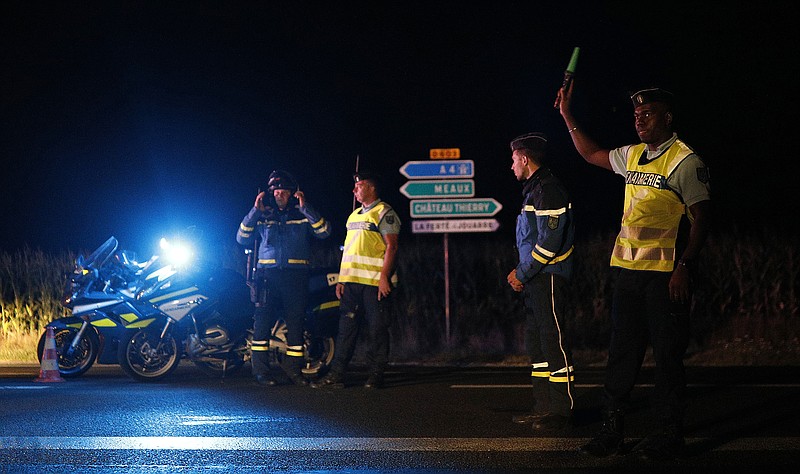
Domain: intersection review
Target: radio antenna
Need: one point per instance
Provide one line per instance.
(354, 196)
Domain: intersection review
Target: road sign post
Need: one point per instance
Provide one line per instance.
(441, 189)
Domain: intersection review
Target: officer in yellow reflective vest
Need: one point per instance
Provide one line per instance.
(366, 280)
(665, 222)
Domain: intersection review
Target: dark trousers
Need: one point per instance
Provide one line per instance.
(279, 294)
(359, 307)
(547, 344)
(642, 312)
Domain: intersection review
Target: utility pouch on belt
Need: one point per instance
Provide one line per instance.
(253, 291)
(258, 288)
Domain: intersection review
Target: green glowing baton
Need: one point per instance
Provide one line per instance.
(569, 72)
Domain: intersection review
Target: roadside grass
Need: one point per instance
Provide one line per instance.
(19, 347)
(745, 312)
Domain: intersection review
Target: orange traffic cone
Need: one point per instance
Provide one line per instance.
(49, 368)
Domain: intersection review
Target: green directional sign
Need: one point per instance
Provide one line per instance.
(476, 207)
(439, 188)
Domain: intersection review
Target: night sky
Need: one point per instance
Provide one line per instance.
(137, 119)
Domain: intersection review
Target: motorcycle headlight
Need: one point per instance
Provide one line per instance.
(176, 253)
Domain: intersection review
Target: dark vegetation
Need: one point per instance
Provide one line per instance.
(745, 306)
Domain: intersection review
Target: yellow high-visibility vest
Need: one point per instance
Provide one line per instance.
(364, 248)
(652, 213)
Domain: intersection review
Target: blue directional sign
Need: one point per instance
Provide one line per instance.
(438, 188)
(477, 207)
(438, 169)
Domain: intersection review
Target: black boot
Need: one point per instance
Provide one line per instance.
(665, 444)
(609, 439)
(375, 380)
(541, 396)
(332, 380)
(293, 366)
(553, 424)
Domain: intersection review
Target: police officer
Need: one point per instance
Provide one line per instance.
(545, 236)
(285, 227)
(366, 280)
(665, 223)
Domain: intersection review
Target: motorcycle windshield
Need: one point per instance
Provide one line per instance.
(99, 257)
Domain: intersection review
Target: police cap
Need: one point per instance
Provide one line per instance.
(534, 141)
(366, 176)
(654, 94)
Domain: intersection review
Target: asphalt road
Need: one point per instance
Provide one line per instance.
(428, 419)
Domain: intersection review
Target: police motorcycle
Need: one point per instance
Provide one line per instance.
(147, 316)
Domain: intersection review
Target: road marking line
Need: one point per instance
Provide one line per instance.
(643, 385)
(26, 387)
(188, 443)
(200, 420)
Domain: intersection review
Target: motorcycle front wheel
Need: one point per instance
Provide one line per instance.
(72, 363)
(147, 357)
